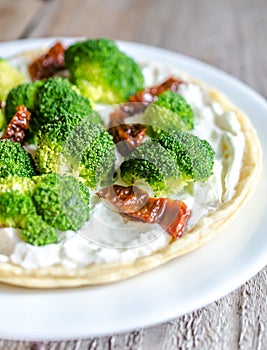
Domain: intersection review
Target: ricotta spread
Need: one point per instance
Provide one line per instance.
(106, 237)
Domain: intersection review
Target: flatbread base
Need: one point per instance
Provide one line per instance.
(207, 228)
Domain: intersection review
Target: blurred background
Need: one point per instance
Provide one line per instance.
(230, 34)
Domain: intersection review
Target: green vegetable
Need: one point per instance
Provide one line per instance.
(169, 113)
(48, 101)
(62, 201)
(17, 209)
(169, 162)
(151, 163)
(9, 78)
(51, 139)
(16, 183)
(24, 94)
(14, 160)
(14, 207)
(56, 97)
(102, 72)
(90, 151)
(195, 157)
(42, 205)
(78, 147)
(38, 232)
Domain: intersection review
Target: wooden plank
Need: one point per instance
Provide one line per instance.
(189, 27)
(253, 313)
(115, 19)
(15, 16)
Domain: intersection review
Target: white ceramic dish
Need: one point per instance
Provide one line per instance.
(179, 286)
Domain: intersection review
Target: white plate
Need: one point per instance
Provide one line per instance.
(179, 286)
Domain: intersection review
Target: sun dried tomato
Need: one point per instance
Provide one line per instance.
(127, 136)
(15, 130)
(151, 94)
(48, 64)
(125, 199)
(135, 204)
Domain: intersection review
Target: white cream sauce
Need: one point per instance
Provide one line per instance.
(107, 238)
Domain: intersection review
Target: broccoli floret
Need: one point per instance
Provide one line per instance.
(15, 206)
(194, 156)
(78, 147)
(92, 148)
(56, 97)
(24, 94)
(42, 205)
(16, 201)
(62, 201)
(48, 101)
(38, 232)
(17, 209)
(14, 160)
(102, 72)
(151, 163)
(90, 151)
(9, 78)
(49, 156)
(169, 162)
(16, 183)
(169, 113)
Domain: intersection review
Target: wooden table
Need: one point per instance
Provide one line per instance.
(229, 34)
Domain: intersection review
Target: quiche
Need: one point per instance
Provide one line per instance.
(112, 247)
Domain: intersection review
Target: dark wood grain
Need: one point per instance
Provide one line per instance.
(229, 34)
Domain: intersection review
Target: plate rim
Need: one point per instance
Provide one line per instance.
(49, 332)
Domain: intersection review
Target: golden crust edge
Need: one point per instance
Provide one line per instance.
(205, 230)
